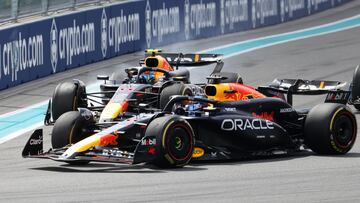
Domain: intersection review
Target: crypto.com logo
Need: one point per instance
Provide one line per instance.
(187, 19)
(103, 33)
(253, 14)
(283, 9)
(148, 24)
(53, 46)
(222, 15)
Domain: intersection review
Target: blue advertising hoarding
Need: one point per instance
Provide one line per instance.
(34, 50)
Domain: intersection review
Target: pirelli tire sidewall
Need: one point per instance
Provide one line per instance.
(171, 90)
(330, 129)
(69, 129)
(67, 97)
(174, 141)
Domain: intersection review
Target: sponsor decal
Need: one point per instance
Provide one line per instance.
(187, 19)
(36, 141)
(152, 151)
(114, 152)
(315, 4)
(222, 16)
(263, 9)
(232, 12)
(103, 33)
(213, 154)
(198, 152)
(289, 7)
(148, 24)
(148, 142)
(230, 109)
(338, 147)
(202, 16)
(109, 139)
(309, 6)
(264, 115)
(21, 54)
(337, 96)
(70, 42)
(246, 124)
(53, 46)
(161, 22)
(286, 110)
(120, 30)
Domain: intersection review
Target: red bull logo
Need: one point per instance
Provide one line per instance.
(109, 139)
(265, 115)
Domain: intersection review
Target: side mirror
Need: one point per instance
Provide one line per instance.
(103, 77)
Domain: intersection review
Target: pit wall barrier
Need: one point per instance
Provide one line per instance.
(38, 49)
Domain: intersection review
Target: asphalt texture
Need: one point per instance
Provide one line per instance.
(305, 177)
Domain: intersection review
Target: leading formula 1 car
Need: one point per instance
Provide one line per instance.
(198, 128)
(143, 88)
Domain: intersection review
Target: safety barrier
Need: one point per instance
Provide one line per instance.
(52, 45)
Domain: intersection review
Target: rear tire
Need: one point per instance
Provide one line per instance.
(174, 89)
(175, 141)
(67, 97)
(229, 77)
(330, 129)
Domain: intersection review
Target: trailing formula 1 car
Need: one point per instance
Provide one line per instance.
(135, 90)
(216, 128)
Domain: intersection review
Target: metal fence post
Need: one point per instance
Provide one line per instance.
(45, 7)
(14, 10)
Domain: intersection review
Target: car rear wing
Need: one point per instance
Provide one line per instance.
(309, 87)
(180, 59)
(312, 87)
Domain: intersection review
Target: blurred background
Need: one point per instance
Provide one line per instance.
(12, 10)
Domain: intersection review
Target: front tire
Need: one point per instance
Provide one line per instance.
(70, 128)
(330, 129)
(175, 141)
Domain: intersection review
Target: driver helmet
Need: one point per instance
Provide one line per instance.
(149, 77)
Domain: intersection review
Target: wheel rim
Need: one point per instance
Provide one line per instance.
(343, 131)
(179, 142)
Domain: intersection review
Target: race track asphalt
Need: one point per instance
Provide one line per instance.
(306, 177)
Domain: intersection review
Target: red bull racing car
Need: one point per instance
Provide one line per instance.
(134, 90)
(231, 121)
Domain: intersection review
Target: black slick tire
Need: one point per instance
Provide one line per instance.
(69, 129)
(330, 129)
(175, 141)
(66, 98)
(228, 77)
(171, 90)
